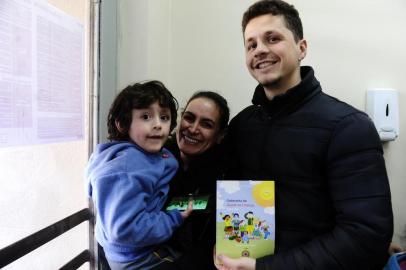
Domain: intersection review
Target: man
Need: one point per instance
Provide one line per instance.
(333, 206)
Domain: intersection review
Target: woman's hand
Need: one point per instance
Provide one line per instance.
(243, 263)
(395, 248)
(188, 210)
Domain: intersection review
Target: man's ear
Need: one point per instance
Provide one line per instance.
(303, 49)
(221, 135)
(118, 126)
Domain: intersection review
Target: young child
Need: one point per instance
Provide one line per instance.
(128, 177)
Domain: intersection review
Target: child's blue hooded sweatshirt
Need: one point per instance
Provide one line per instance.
(129, 187)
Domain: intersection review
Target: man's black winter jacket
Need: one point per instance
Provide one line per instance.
(333, 206)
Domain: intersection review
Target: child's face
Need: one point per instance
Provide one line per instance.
(150, 127)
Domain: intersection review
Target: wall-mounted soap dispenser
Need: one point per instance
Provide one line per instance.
(383, 107)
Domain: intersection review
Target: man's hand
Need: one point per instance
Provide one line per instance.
(188, 210)
(242, 263)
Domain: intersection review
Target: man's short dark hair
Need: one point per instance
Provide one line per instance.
(220, 102)
(275, 7)
(138, 96)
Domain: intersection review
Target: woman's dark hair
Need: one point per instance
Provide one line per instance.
(219, 101)
(275, 7)
(138, 96)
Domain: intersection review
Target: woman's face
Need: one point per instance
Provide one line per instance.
(199, 127)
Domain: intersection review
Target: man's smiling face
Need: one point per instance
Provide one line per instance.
(272, 54)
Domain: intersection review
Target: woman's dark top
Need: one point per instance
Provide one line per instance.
(197, 236)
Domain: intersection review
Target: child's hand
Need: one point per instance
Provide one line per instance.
(188, 210)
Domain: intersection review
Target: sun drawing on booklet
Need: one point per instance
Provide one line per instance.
(263, 194)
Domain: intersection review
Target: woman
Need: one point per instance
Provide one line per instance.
(196, 146)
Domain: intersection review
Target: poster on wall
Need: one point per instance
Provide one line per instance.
(41, 74)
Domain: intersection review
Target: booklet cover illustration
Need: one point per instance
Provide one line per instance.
(245, 218)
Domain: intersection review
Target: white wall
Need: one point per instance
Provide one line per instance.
(144, 41)
(194, 44)
(108, 64)
(41, 184)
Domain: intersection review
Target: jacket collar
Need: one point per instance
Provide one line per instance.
(308, 86)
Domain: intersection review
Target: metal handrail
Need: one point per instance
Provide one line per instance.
(76, 262)
(24, 246)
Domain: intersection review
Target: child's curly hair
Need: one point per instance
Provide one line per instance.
(138, 96)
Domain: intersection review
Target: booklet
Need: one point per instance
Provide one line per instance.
(245, 218)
